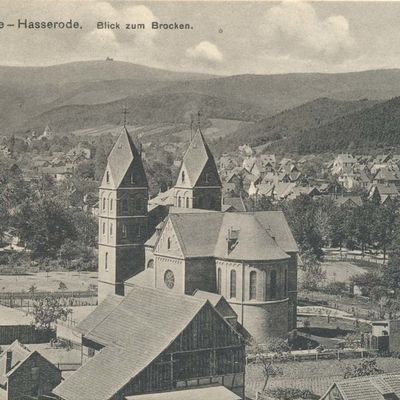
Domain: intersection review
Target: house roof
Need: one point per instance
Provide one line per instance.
(236, 202)
(18, 354)
(376, 387)
(209, 393)
(13, 316)
(356, 200)
(262, 236)
(123, 156)
(197, 157)
(139, 327)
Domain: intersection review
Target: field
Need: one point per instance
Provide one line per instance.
(44, 281)
(316, 376)
(341, 271)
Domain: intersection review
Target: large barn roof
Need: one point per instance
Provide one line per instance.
(139, 327)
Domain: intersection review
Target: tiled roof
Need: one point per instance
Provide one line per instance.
(369, 387)
(263, 235)
(195, 160)
(135, 329)
(121, 158)
(209, 393)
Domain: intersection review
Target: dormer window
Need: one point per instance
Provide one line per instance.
(183, 176)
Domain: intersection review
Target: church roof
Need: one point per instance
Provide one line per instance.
(197, 157)
(18, 354)
(123, 154)
(139, 327)
(261, 236)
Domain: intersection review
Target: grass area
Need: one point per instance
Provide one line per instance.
(341, 271)
(316, 376)
(74, 281)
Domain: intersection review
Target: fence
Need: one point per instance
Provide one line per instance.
(67, 298)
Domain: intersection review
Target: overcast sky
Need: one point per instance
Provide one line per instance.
(228, 37)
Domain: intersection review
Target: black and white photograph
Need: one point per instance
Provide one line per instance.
(199, 200)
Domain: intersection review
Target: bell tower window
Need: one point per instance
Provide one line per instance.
(183, 176)
(124, 231)
(106, 261)
(168, 243)
(187, 202)
(107, 177)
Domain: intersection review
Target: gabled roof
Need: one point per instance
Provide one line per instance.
(376, 387)
(18, 354)
(123, 157)
(135, 329)
(197, 157)
(262, 236)
(235, 202)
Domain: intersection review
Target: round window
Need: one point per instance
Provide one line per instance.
(169, 279)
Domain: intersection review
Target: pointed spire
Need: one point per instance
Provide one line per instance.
(124, 158)
(198, 156)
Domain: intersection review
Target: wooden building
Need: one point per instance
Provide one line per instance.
(153, 341)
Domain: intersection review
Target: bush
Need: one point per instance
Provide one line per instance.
(282, 393)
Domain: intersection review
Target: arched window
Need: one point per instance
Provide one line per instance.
(219, 278)
(124, 231)
(168, 243)
(107, 177)
(183, 176)
(106, 261)
(253, 285)
(187, 202)
(150, 264)
(104, 228)
(111, 204)
(104, 203)
(273, 284)
(132, 178)
(111, 229)
(179, 201)
(233, 284)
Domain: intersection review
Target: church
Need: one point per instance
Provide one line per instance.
(192, 246)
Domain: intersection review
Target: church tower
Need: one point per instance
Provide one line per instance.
(198, 184)
(123, 228)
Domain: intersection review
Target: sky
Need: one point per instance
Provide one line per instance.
(227, 37)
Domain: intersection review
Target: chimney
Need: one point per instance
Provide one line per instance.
(8, 361)
(232, 239)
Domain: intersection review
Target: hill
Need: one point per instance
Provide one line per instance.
(276, 93)
(289, 123)
(169, 108)
(369, 128)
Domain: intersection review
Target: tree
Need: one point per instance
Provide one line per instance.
(268, 356)
(314, 275)
(367, 282)
(366, 367)
(301, 214)
(32, 289)
(47, 311)
(391, 272)
(284, 393)
(62, 286)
